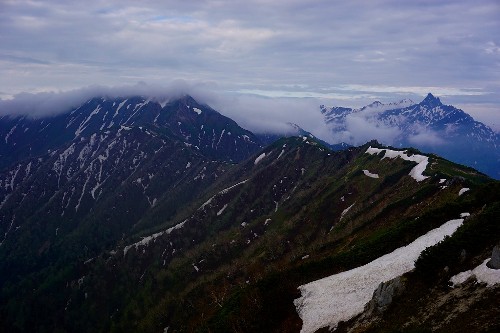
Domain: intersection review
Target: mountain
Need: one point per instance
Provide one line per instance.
(429, 125)
(230, 254)
(295, 130)
(143, 225)
(199, 125)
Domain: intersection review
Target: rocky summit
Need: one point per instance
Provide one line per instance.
(429, 126)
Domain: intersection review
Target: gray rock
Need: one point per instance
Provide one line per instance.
(495, 258)
(383, 295)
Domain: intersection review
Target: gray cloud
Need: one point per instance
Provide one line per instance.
(255, 46)
(44, 104)
(427, 138)
(256, 113)
(261, 114)
(362, 129)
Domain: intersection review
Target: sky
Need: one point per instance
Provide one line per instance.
(282, 57)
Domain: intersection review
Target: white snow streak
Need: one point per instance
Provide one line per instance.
(369, 174)
(146, 240)
(282, 151)
(258, 159)
(342, 296)
(462, 191)
(222, 210)
(84, 124)
(10, 133)
(345, 211)
(224, 191)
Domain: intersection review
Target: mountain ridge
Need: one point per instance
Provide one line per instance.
(25, 137)
(136, 227)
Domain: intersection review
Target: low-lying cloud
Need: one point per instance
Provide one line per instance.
(46, 104)
(255, 113)
(363, 129)
(269, 115)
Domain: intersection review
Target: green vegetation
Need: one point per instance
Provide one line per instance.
(236, 263)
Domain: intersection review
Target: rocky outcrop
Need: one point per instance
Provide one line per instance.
(374, 309)
(494, 263)
(383, 295)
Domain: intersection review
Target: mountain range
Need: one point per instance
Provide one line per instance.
(132, 214)
(429, 126)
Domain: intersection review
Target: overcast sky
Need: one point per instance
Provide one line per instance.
(334, 52)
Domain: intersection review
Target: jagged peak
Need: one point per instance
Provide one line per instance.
(431, 101)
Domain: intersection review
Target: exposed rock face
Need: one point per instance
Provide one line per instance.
(381, 299)
(383, 295)
(495, 258)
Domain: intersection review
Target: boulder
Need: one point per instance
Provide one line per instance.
(494, 263)
(383, 295)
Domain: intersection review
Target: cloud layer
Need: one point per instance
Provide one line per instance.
(346, 52)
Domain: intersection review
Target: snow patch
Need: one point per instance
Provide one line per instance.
(462, 191)
(345, 211)
(369, 174)
(282, 151)
(85, 123)
(198, 111)
(146, 240)
(224, 191)
(10, 133)
(342, 296)
(222, 210)
(259, 158)
(482, 273)
(417, 171)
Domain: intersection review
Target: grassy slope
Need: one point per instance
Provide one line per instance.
(248, 276)
(235, 270)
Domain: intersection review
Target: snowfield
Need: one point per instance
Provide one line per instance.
(342, 296)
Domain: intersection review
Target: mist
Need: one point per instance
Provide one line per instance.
(256, 113)
(47, 104)
(270, 115)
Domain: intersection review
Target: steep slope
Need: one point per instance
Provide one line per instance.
(214, 134)
(83, 198)
(429, 125)
(232, 260)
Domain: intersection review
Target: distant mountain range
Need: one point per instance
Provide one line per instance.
(295, 130)
(138, 215)
(429, 125)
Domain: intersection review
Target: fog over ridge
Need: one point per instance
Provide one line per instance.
(257, 113)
